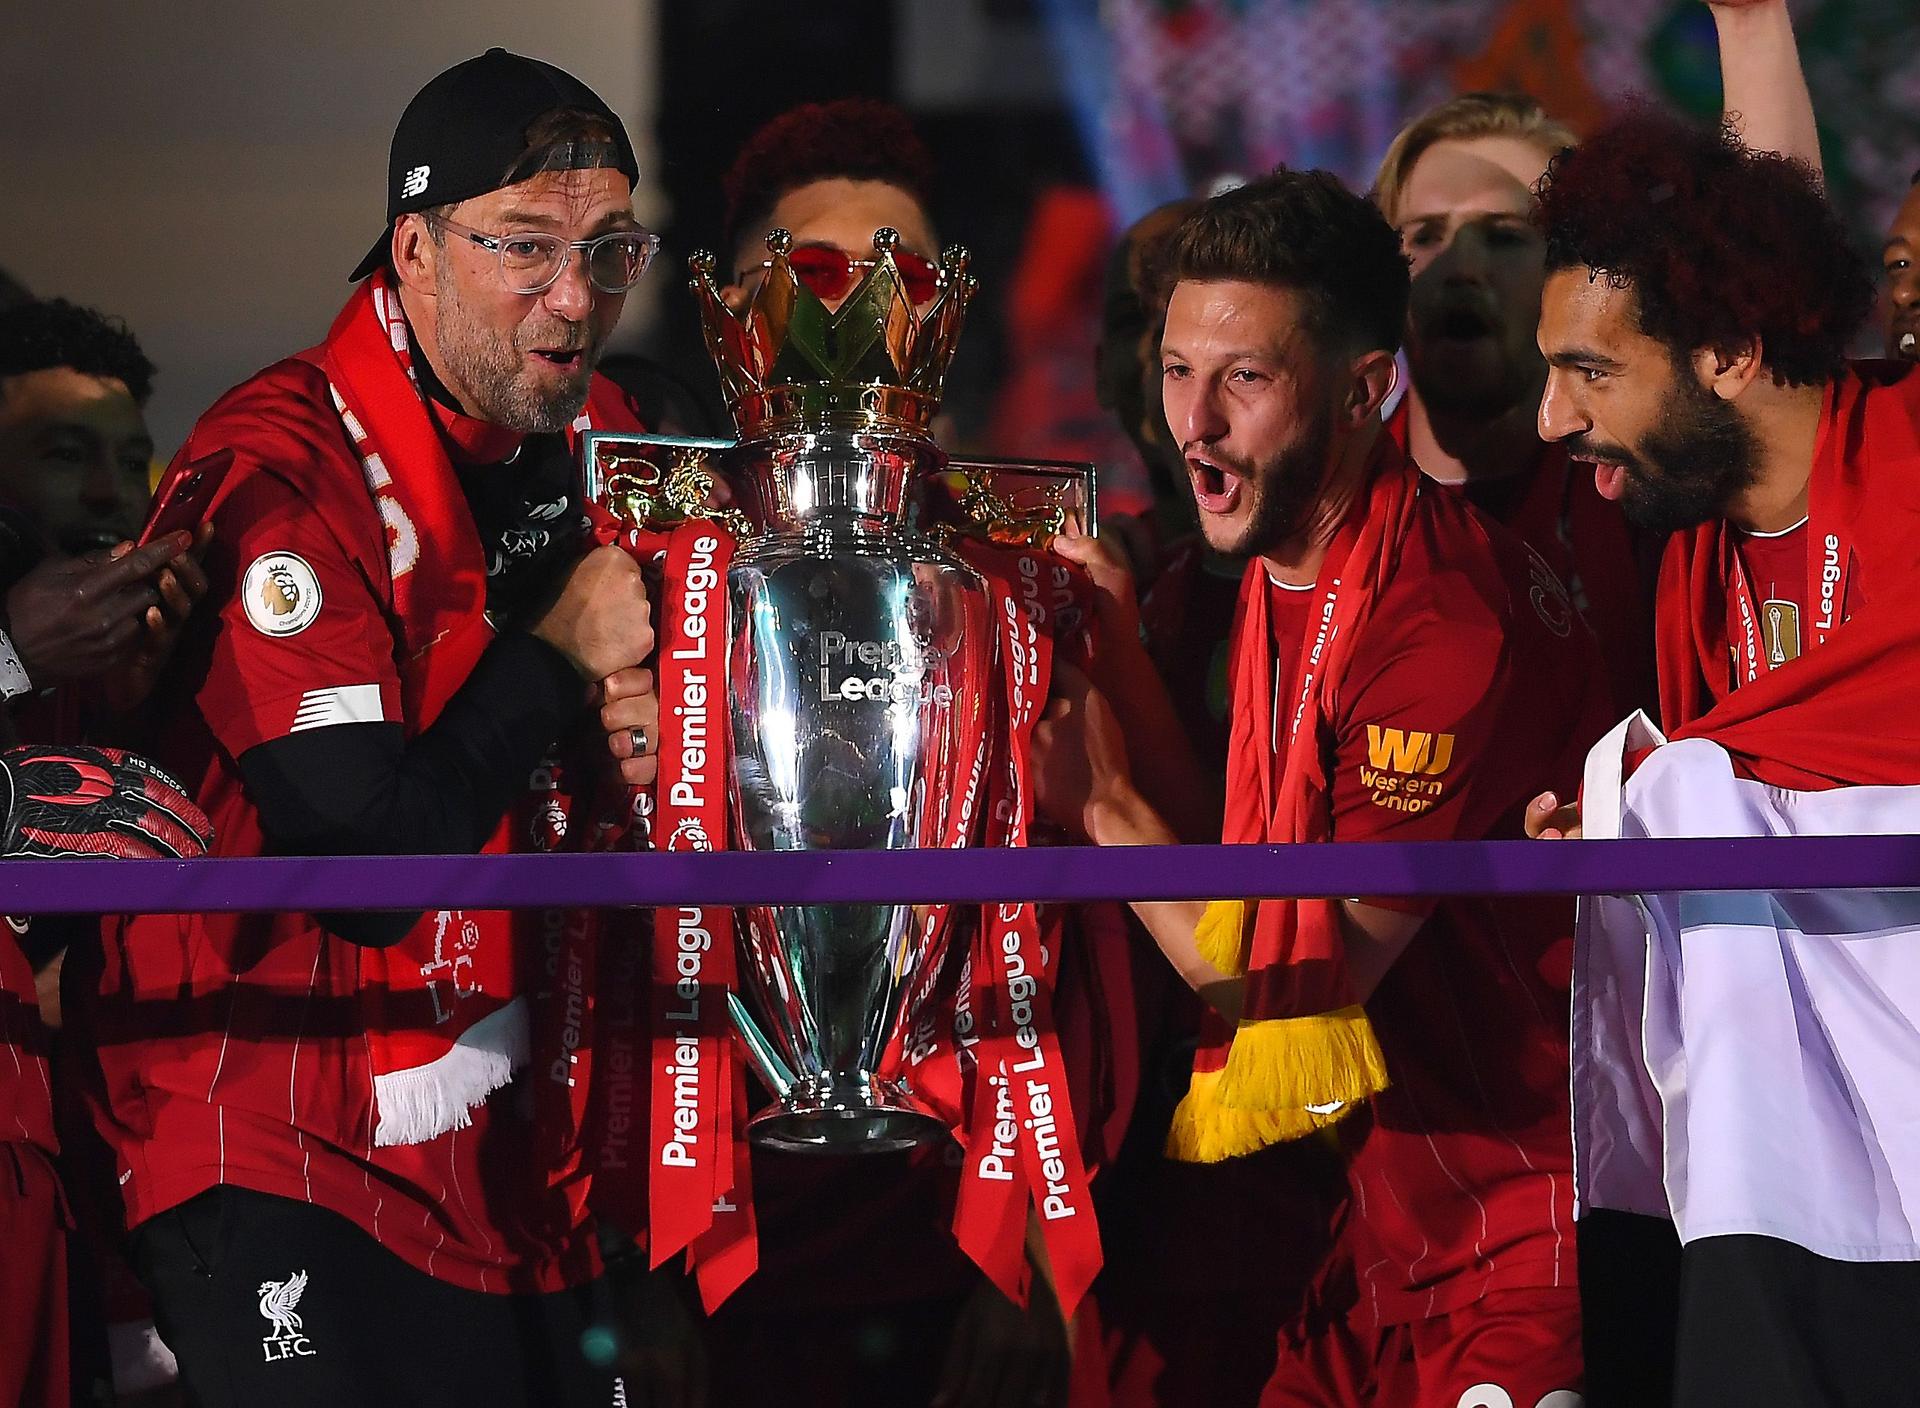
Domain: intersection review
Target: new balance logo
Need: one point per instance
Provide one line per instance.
(1407, 752)
(277, 1302)
(343, 704)
(415, 183)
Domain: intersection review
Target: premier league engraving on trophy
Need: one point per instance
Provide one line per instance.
(860, 653)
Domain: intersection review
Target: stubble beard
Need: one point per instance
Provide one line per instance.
(494, 374)
(1284, 491)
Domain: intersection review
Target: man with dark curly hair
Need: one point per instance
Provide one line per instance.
(1394, 655)
(1699, 303)
(830, 174)
(1694, 364)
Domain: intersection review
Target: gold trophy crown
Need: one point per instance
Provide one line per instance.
(874, 363)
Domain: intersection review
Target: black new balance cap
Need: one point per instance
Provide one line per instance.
(465, 134)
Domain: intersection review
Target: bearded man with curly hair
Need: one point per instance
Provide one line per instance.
(1699, 302)
(1747, 1065)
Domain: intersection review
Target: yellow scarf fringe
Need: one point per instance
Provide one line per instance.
(1274, 1071)
(1316, 1060)
(1221, 936)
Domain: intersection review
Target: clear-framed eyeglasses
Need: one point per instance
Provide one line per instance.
(531, 260)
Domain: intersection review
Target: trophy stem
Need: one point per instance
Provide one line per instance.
(846, 1112)
(774, 1073)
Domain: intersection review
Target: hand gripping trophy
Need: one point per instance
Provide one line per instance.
(852, 659)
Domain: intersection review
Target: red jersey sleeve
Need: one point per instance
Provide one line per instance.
(1417, 753)
(300, 639)
(1415, 735)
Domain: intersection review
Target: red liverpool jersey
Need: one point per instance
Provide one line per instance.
(26, 1096)
(1553, 506)
(1470, 691)
(232, 1048)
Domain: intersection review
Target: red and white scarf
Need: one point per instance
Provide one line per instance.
(1303, 1052)
(446, 1010)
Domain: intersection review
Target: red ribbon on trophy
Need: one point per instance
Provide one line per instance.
(698, 1178)
(691, 1056)
(558, 952)
(615, 1132)
(1022, 1146)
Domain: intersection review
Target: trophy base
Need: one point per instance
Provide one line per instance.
(846, 1114)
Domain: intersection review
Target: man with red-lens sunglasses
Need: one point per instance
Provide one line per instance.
(831, 174)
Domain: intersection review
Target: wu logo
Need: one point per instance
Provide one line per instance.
(277, 1302)
(415, 183)
(1408, 752)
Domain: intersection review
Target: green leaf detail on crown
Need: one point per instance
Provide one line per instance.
(787, 361)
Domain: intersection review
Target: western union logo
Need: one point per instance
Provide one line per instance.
(1408, 752)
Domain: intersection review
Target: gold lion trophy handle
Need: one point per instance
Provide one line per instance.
(1023, 503)
(655, 481)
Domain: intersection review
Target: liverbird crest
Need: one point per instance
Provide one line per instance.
(787, 362)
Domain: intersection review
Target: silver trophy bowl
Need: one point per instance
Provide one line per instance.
(861, 715)
(859, 670)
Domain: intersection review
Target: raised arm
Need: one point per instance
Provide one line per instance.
(1766, 89)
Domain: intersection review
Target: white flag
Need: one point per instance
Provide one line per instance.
(1748, 1063)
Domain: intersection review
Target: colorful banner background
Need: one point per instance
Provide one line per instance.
(1174, 94)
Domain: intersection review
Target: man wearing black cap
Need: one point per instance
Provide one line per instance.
(347, 1143)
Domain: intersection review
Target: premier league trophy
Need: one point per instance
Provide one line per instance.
(860, 655)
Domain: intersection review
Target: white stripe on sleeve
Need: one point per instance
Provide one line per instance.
(343, 704)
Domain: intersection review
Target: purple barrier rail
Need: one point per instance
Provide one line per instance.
(1044, 873)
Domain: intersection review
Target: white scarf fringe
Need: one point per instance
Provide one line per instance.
(424, 1102)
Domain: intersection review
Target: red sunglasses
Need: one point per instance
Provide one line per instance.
(831, 273)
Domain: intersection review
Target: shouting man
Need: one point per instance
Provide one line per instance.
(1391, 654)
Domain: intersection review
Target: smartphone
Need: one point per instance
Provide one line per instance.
(181, 505)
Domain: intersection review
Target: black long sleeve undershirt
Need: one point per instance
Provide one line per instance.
(363, 789)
